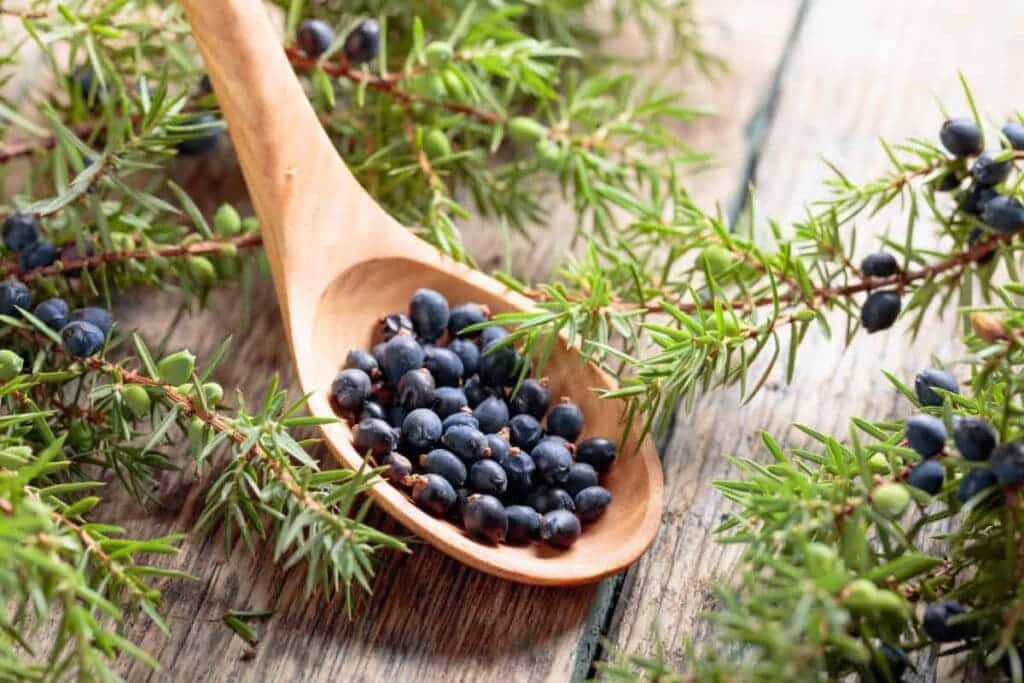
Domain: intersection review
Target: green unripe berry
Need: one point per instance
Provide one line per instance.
(889, 601)
(878, 463)
(820, 558)
(213, 393)
(859, 595)
(122, 241)
(80, 436)
(227, 222)
(435, 143)
(195, 433)
(716, 260)
(891, 499)
(525, 129)
(433, 86)
(10, 365)
(227, 249)
(551, 154)
(453, 84)
(200, 268)
(250, 224)
(438, 54)
(228, 267)
(136, 400)
(176, 368)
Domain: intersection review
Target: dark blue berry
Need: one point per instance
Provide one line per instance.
(200, 142)
(20, 231)
(896, 663)
(466, 442)
(485, 517)
(524, 431)
(372, 409)
(519, 469)
(962, 137)
(532, 398)
(974, 482)
(523, 524)
(926, 434)
(416, 389)
(972, 202)
(560, 528)
(399, 469)
(1014, 133)
(476, 392)
(429, 313)
(880, 310)
(314, 37)
(378, 354)
(937, 617)
(591, 503)
(492, 414)
(974, 438)
(987, 172)
(460, 417)
(490, 335)
(100, 317)
(362, 44)
(465, 315)
(880, 264)
(444, 365)
(445, 463)
(487, 476)
(553, 461)
(392, 325)
(462, 495)
(980, 236)
(421, 430)
(362, 360)
(373, 436)
(932, 377)
(498, 365)
(433, 493)
(581, 476)
(448, 401)
(545, 499)
(468, 353)
(383, 393)
(402, 354)
(53, 313)
(350, 390)
(499, 445)
(396, 416)
(1003, 214)
(1008, 463)
(39, 255)
(14, 295)
(928, 476)
(949, 182)
(82, 339)
(597, 452)
(565, 420)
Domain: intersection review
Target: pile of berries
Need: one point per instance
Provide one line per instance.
(437, 405)
(362, 44)
(981, 203)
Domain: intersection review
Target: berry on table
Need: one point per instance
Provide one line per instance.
(372, 409)
(1003, 214)
(553, 461)
(362, 360)
(1008, 463)
(37, 255)
(523, 524)
(930, 378)
(466, 442)
(1014, 133)
(429, 313)
(445, 365)
(396, 415)
(464, 315)
(468, 353)
(987, 171)
(937, 618)
(476, 392)
(485, 517)
(392, 325)
(974, 438)
(565, 420)
(598, 452)
(519, 469)
(926, 434)
(524, 431)
(491, 335)
(82, 339)
(498, 365)
(314, 37)
(362, 44)
(974, 482)
(591, 503)
(402, 354)
(20, 231)
(14, 295)
(399, 469)
(373, 436)
(444, 463)
(560, 528)
(928, 476)
(448, 401)
(532, 398)
(499, 445)
(460, 417)
(10, 365)
(416, 389)
(421, 430)
(487, 476)
(545, 499)
(880, 310)
(350, 389)
(880, 264)
(433, 493)
(53, 313)
(492, 414)
(961, 136)
(581, 476)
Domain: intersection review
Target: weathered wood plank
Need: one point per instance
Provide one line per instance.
(858, 71)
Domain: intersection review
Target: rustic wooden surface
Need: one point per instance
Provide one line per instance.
(808, 78)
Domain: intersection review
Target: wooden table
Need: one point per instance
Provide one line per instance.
(808, 79)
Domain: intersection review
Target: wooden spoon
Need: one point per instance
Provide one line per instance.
(340, 262)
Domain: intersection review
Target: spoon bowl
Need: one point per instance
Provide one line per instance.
(340, 262)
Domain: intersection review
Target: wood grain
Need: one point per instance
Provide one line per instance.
(857, 72)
